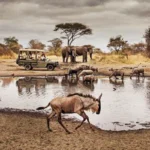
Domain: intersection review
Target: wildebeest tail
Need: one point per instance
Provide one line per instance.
(40, 108)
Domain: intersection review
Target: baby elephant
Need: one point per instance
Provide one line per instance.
(115, 73)
(89, 79)
(137, 72)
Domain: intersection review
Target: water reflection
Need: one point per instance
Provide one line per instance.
(6, 81)
(116, 82)
(69, 81)
(128, 107)
(34, 84)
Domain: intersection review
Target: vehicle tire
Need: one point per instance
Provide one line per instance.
(50, 67)
(28, 67)
(27, 79)
(31, 68)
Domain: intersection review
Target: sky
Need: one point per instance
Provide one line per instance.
(36, 19)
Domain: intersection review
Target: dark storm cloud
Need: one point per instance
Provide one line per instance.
(27, 19)
(140, 9)
(60, 3)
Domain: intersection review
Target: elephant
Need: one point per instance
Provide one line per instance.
(83, 50)
(69, 51)
(74, 51)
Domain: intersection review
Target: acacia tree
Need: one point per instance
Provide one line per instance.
(72, 31)
(147, 38)
(56, 43)
(12, 43)
(117, 44)
(36, 44)
(138, 47)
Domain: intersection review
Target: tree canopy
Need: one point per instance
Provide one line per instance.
(147, 39)
(36, 44)
(117, 43)
(12, 43)
(56, 43)
(72, 31)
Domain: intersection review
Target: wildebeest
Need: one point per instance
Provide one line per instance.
(137, 72)
(75, 71)
(89, 78)
(85, 72)
(86, 67)
(115, 73)
(73, 103)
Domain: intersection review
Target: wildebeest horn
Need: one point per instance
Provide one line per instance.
(100, 96)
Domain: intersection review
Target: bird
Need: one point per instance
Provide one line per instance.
(114, 89)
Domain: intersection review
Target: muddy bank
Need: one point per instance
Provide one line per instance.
(10, 68)
(25, 131)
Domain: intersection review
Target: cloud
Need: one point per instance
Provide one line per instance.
(139, 9)
(27, 19)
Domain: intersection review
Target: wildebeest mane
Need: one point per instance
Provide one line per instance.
(82, 95)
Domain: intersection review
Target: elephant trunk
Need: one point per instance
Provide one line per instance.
(91, 55)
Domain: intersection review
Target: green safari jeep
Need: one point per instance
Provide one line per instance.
(34, 58)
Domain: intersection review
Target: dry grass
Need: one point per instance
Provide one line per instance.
(8, 57)
(119, 59)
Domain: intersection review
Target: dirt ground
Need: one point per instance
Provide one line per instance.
(10, 68)
(25, 132)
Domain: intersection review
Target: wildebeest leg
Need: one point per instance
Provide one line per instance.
(52, 114)
(143, 75)
(88, 121)
(131, 76)
(138, 75)
(83, 114)
(122, 77)
(84, 118)
(76, 76)
(59, 120)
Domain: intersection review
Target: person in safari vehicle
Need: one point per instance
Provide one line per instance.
(32, 60)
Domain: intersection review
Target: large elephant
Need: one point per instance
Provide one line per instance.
(69, 51)
(83, 51)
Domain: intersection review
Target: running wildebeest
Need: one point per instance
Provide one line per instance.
(115, 73)
(73, 103)
(137, 72)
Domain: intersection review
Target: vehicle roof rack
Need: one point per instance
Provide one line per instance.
(32, 50)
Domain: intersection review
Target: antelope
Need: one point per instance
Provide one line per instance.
(73, 103)
(86, 72)
(89, 78)
(137, 72)
(115, 73)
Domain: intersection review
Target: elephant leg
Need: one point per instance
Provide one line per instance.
(67, 59)
(63, 59)
(85, 58)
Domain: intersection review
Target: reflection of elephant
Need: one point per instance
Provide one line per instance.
(69, 51)
(83, 50)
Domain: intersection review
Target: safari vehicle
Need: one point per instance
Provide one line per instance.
(34, 58)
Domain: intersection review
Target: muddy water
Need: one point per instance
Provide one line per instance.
(125, 105)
